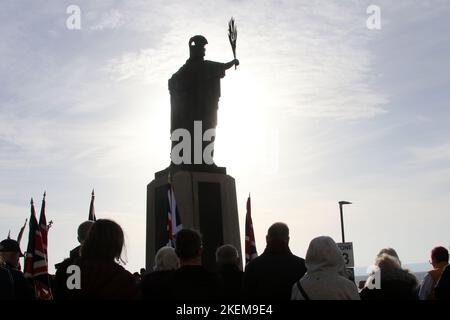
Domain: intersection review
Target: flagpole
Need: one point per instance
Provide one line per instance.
(92, 216)
(341, 204)
(250, 243)
(19, 237)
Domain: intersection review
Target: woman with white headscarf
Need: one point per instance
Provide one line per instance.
(325, 278)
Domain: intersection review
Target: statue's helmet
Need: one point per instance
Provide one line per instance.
(197, 41)
(197, 46)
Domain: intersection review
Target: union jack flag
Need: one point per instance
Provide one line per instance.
(44, 227)
(250, 244)
(36, 264)
(173, 218)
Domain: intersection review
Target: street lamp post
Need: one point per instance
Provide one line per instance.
(341, 203)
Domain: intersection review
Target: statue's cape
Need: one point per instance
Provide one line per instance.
(195, 93)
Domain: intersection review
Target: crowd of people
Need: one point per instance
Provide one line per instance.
(277, 274)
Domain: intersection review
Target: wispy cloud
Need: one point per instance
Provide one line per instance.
(317, 60)
(310, 60)
(109, 20)
(431, 153)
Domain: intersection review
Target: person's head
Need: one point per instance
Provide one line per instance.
(10, 252)
(439, 255)
(83, 230)
(386, 261)
(189, 247)
(105, 241)
(197, 47)
(227, 255)
(142, 271)
(278, 235)
(391, 252)
(166, 259)
(324, 255)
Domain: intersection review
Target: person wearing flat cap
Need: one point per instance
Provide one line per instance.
(20, 287)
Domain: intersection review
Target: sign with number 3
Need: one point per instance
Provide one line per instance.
(347, 253)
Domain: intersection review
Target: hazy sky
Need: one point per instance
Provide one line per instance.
(321, 109)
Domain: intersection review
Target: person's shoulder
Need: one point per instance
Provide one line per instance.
(230, 269)
(126, 278)
(350, 288)
(446, 273)
(158, 274)
(4, 273)
(201, 271)
(122, 270)
(255, 263)
(206, 273)
(427, 276)
(410, 277)
(111, 268)
(349, 284)
(16, 273)
(297, 260)
(157, 277)
(188, 271)
(61, 266)
(18, 276)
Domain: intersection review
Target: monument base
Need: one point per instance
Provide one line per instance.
(206, 202)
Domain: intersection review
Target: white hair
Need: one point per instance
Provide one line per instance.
(166, 259)
(227, 254)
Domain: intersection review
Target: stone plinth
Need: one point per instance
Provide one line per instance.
(206, 202)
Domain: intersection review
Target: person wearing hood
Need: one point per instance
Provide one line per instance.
(396, 283)
(271, 275)
(325, 276)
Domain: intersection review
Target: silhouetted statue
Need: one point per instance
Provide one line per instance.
(195, 92)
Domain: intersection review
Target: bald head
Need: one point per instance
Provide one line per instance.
(278, 233)
(83, 230)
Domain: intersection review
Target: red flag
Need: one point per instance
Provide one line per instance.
(44, 228)
(250, 244)
(173, 218)
(36, 267)
(91, 208)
